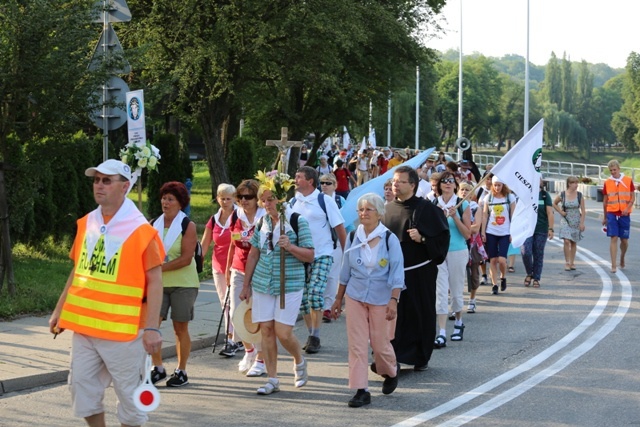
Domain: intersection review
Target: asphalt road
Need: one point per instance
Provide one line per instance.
(562, 355)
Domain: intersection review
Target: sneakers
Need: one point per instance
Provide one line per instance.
(247, 361)
(326, 316)
(452, 316)
(300, 372)
(494, 290)
(313, 345)
(157, 375)
(472, 307)
(503, 284)
(229, 350)
(257, 370)
(178, 379)
(483, 282)
(240, 346)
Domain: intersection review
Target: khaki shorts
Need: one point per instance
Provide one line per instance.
(95, 364)
(181, 301)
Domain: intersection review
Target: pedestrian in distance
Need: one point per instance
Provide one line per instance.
(372, 278)
(179, 277)
(112, 299)
(499, 205)
(262, 285)
(533, 247)
(570, 205)
(618, 200)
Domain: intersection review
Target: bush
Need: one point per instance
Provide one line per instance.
(241, 163)
(172, 167)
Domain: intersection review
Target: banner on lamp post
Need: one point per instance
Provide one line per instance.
(135, 117)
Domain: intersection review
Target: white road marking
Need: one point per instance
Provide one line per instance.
(527, 384)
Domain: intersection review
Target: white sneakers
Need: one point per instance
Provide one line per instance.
(247, 361)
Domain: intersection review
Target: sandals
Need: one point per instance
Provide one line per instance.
(300, 373)
(511, 270)
(457, 333)
(269, 387)
(536, 284)
(440, 342)
(527, 281)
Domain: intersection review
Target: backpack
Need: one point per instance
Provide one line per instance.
(506, 202)
(323, 206)
(197, 253)
(562, 197)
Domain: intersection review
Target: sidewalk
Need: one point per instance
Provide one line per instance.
(30, 357)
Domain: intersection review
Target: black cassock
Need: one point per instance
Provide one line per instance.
(416, 322)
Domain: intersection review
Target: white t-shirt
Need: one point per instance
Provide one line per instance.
(499, 217)
(424, 187)
(310, 209)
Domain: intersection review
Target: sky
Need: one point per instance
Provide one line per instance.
(594, 30)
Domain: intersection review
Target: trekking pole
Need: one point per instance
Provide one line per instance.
(224, 309)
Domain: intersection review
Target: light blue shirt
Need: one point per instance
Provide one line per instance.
(373, 287)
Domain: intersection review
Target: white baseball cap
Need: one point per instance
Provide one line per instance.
(111, 167)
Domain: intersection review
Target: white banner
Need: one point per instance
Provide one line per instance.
(372, 138)
(520, 170)
(135, 118)
(346, 139)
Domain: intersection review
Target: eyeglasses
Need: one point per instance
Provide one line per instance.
(448, 180)
(368, 210)
(105, 180)
(397, 181)
(246, 196)
(270, 240)
(326, 183)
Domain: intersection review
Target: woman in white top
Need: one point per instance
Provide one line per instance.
(498, 206)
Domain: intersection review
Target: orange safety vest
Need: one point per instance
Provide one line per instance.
(106, 300)
(618, 196)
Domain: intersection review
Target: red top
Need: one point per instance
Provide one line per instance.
(383, 164)
(241, 237)
(342, 179)
(221, 238)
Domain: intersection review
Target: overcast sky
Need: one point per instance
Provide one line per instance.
(593, 30)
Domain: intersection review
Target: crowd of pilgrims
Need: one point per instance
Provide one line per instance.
(398, 274)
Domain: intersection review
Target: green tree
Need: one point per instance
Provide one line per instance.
(568, 86)
(553, 81)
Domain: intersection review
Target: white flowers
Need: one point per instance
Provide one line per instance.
(140, 156)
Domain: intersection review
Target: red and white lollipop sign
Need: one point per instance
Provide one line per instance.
(146, 397)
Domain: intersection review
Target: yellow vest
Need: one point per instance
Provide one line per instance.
(105, 300)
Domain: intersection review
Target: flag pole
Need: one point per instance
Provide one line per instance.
(473, 191)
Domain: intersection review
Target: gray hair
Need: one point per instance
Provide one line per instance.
(225, 189)
(374, 200)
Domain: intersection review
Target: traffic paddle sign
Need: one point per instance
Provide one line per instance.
(146, 397)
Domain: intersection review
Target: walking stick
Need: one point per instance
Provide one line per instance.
(224, 309)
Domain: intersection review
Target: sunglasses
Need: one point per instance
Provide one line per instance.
(326, 183)
(105, 180)
(448, 180)
(270, 240)
(246, 196)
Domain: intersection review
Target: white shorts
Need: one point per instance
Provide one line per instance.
(95, 363)
(266, 308)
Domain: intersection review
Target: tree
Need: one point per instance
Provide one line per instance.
(553, 81)
(568, 86)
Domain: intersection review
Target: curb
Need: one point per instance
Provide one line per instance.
(56, 377)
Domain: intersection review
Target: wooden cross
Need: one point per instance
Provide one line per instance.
(283, 145)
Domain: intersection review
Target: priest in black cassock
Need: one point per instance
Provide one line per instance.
(424, 237)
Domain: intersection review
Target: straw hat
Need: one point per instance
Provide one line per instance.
(243, 325)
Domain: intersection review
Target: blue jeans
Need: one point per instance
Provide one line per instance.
(534, 254)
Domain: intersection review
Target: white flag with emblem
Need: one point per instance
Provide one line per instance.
(520, 170)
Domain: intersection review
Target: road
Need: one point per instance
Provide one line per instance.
(561, 355)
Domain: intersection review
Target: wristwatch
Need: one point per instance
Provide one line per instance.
(423, 239)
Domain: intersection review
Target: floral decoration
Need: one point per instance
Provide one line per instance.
(140, 156)
(278, 183)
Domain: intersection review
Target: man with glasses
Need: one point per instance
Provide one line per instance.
(424, 237)
(321, 222)
(112, 299)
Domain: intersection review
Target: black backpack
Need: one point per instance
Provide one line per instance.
(197, 253)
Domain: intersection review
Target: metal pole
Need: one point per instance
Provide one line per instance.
(105, 90)
(389, 121)
(526, 80)
(417, 107)
(460, 85)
